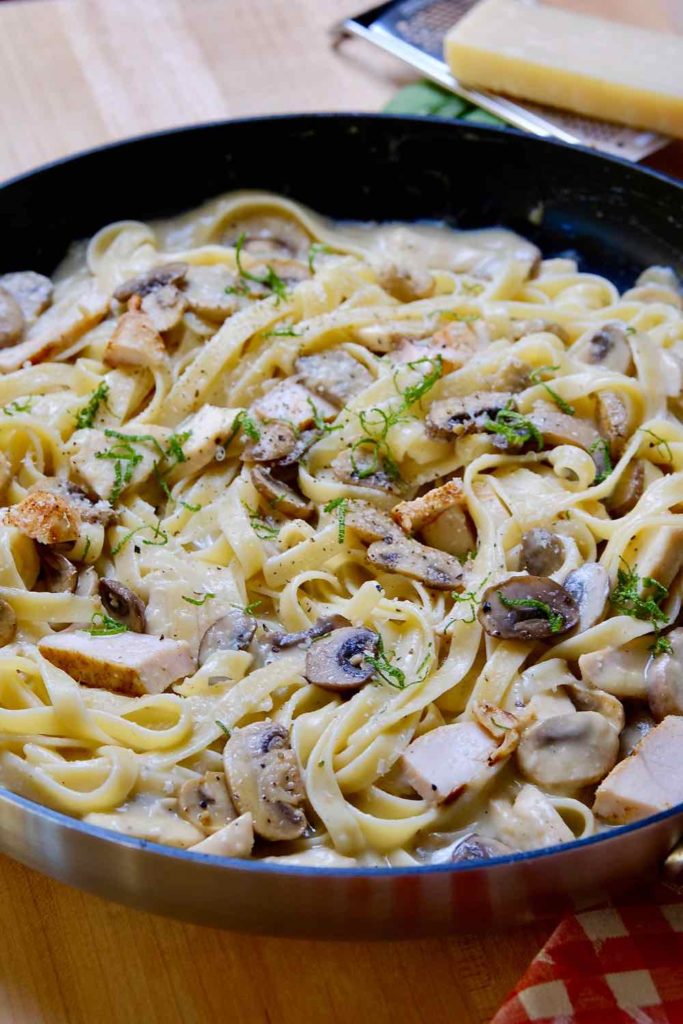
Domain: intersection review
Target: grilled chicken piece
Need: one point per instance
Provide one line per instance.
(92, 453)
(450, 759)
(132, 663)
(235, 839)
(209, 429)
(414, 515)
(135, 342)
(45, 517)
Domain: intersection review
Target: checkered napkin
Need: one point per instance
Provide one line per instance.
(608, 966)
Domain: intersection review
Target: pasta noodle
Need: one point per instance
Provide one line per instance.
(334, 543)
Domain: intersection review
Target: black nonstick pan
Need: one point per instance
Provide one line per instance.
(617, 218)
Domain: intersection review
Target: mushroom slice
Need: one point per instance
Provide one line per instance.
(234, 631)
(91, 510)
(363, 466)
(276, 440)
(567, 752)
(459, 415)
(617, 670)
(333, 374)
(608, 347)
(321, 627)
(207, 291)
(205, 802)
(122, 604)
(337, 662)
(33, 292)
(475, 847)
(280, 495)
(589, 586)
(411, 516)
(263, 778)
(370, 523)
(157, 277)
(527, 608)
(502, 725)
(270, 235)
(639, 722)
(291, 402)
(664, 679)
(521, 328)
(561, 428)
(542, 552)
(165, 307)
(452, 532)
(57, 574)
(585, 698)
(45, 517)
(8, 623)
(11, 320)
(629, 490)
(408, 557)
(612, 417)
(405, 282)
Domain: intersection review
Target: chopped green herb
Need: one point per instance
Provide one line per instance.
(16, 406)
(470, 597)
(313, 250)
(319, 422)
(515, 428)
(321, 764)
(222, 727)
(174, 449)
(191, 508)
(134, 438)
(639, 597)
(283, 332)
(86, 416)
(602, 449)
(207, 596)
(156, 533)
(102, 624)
(248, 609)
(125, 459)
(465, 318)
(560, 402)
(339, 505)
(392, 674)
(264, 528)
(661, 645)
(471, 287)
(659, 443)
(555, 619)
(271, 280)
(630, 330)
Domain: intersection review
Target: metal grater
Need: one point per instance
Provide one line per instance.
(414, 30)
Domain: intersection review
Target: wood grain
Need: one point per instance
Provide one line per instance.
(73, 74)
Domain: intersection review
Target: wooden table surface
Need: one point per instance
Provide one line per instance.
(75, 73)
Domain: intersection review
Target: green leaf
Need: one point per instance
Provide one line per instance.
(555, 619)
(86, 416)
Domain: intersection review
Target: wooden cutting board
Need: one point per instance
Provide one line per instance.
(75, 73)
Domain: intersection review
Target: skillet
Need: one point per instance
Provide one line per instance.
(616, 217)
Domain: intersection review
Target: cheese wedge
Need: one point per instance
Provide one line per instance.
(577, 62)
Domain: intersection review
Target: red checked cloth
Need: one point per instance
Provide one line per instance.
(610, 966)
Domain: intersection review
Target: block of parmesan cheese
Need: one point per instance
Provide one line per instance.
(577, 62)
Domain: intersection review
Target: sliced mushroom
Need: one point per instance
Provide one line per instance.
(452, 532)
(322, 627)
(542, 552)
(459, 415)
(639, 722)
(608, 347)
(405, 282)
(290, 402)
(513, 376)
(276, 440)
(537, 608)
(613, 421)
(586, 698)
(122, 604)
(205, 802)
(57, 574)
(8, 623)
(567, 752)
(364, 467)
(33, 292)
(664, 679)
(408, 557)
(618, 670)
(628, 491)
(279, 494)
(157, 277)
(207, 291)
(561, 428)
(11, 320)
(475, 847)
(521, 328)
(338, 662)
(165, 307)
(234, 631)
(333, 374)
(370, 523)
(263, 778)
(91, 510)
(270, 235)
(589, 586)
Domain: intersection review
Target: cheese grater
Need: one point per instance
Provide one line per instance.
(414, 30)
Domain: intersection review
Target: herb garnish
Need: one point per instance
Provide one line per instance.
(313, 250)
(86, 416)
(103, 625)
(248, 609)
(660, 443)
(16, 406)
(223, 727)
(156, 532)
(339, 505)
(470, 597)
(465, 318)
(283, 332)
(601, 446)
(641, 598)
(390, 673)
(264, 528)
(661, 645)
(271, 280)
(562, 405)
(207, 596)
(515, 428)
(555, 619)
(318, 421)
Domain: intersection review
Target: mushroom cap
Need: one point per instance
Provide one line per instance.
(474, 847)
(628, 491)
(263, 778)
(589, 586)
(205, 802)
(33, 292)
(234, 631)
(613, 421)
(57, 573)
(11, 320)
(122, 604)
(324, 625)
(664, 679)
(458, 415)
(539, 609)
(279, 494)
(401, 554)
(337, 662)
(609, 347)
(543, 552)
(567, 752)
(8, 623)
(156, 277)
